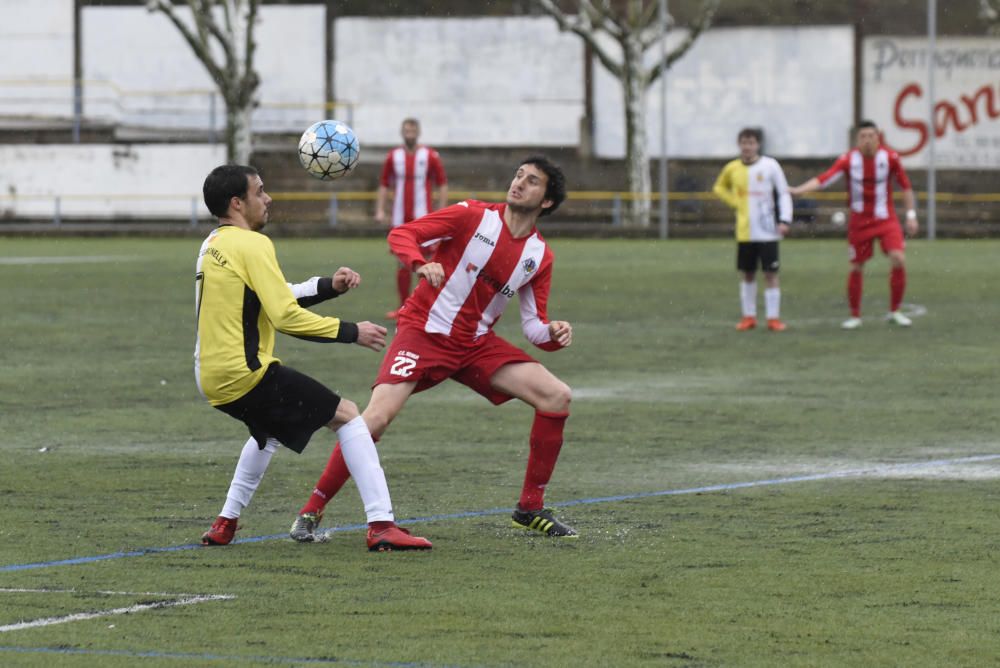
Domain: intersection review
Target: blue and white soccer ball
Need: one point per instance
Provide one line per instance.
(329, 150)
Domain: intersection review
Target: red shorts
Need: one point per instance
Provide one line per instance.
(862, 241)
(428, 359)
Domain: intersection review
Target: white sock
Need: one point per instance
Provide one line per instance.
(249, 471)
(361, 458)
(772, 301)
(748, 298)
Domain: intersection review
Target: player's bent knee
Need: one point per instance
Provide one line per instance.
(557, 400)
(347, 410)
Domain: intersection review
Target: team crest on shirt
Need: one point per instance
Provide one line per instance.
(529, 265)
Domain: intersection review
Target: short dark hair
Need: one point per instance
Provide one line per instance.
(756, 133)
(555, 189)
(410, 121)
(223, 184)
(866, 124)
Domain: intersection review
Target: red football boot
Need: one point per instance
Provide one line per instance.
(395, 538)
(222, 531)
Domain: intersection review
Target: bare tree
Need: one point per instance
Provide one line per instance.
(989, 10)
(226, 49)
(635, 25)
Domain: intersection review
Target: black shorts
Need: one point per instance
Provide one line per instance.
(285, 404)
(751, 253)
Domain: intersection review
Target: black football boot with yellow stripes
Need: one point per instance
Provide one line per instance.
(542, 521)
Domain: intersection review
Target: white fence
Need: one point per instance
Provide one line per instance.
(152, 180)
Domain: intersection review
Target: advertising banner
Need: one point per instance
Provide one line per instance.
(966, 105)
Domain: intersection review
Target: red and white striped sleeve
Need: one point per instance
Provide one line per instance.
(406, 241)
(838, 169)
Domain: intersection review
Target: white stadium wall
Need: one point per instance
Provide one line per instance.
(36, 58)
(795, 83)
(470, 81)
(966, 90)
(139, 181)
(162, 83)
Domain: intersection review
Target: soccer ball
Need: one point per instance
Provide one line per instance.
(838, 218)
(329, 149)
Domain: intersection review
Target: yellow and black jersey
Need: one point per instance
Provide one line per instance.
(241, 299)
(759, 194)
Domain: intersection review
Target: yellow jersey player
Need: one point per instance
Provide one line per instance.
(755, 187)
(241, 300)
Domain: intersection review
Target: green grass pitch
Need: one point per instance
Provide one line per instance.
(871, 539)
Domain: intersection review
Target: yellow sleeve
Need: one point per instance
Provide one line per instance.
(265, 278)
(723, 188)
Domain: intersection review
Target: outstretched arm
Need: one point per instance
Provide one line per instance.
(836, 171)
(319, 289)
(809, 186)
(406, 241)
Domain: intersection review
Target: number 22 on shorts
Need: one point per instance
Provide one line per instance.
(403, 364)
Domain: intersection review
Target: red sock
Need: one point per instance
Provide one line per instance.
(546, 440)
(897, 286)
(403, 284)
(334, 476)
(855, 279)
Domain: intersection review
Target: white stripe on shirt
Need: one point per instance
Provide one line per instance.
(460, 284)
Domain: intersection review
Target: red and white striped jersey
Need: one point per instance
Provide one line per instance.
(484, 266)
(870, 184)
(412, 175)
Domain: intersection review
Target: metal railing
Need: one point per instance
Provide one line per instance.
(606, 206)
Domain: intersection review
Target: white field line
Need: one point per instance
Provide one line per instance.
(962, 469)
(67, 259)
(911, 310)
(179, 599)
(870, 319)
(43, 590)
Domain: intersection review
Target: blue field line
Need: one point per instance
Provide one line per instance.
(185, 656)
(722, 487)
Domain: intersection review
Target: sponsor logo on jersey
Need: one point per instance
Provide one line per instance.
(485, 239)
(502, 288)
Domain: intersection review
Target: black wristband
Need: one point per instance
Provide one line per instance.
(348, 332)
(324, 288)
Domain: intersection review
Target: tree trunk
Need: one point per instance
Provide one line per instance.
(636, 159)
(239, 133)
